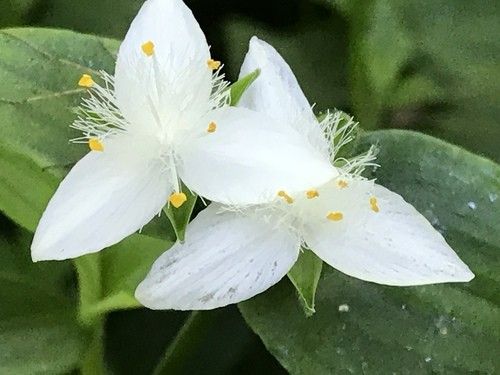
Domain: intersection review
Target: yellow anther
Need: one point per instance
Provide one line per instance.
(288, 199)
(212, 127)
(335, 216)
(95, 144)
(177, 199)
(342, 184)
(148, 48)
(86, 81)
(374, 204)
(312, 194)
(213, 64)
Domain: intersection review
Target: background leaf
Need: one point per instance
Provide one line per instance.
(39, 332)
(40, 69)
(404, 330)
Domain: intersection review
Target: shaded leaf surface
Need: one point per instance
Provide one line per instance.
(39, 332)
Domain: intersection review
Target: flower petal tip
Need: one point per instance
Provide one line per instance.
(467, 275)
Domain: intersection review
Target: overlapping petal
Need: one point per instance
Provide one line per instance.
(227, 258)
(249, 158)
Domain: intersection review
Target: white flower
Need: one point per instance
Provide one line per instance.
(356, 226)
(162, 118)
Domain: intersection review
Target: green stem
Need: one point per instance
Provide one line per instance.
(90, 289)
(93, 363)
(187, 341)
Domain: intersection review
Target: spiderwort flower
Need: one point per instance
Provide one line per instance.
(162, 118)
(356, 226)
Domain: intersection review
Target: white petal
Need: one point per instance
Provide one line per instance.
(227, 258)
(101, 201)
(277, 93)
(176, 78)
(396, 246)
(248, 159)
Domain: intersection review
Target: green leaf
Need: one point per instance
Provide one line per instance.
(39, 72)
(38, 325)
(305, 275)
(427, 329)
(240, 86)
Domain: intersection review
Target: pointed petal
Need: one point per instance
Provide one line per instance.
(227, 258)
(277, 93)
(395, 246)
(101, 201)
(248, 159)
(175, 77)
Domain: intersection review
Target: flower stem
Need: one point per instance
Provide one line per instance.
(90, 292)
(93, 362)
(188, 339)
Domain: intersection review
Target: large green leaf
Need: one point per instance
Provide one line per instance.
(39, 71)
(450, 328)
(39, 332)
(113, 274)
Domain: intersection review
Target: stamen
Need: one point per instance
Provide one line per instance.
(96, 145)
(342, 184)
(335, 216)
(212, 127)
(213, 64)
(148, 48)
(374, 204)
(86, 81)
(313, 193)
(288, 199)
(177, 199)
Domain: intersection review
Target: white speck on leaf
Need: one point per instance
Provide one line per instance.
(472, 205)
(493, 197)
(428, 359)
(344, 308)
(442, 324)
